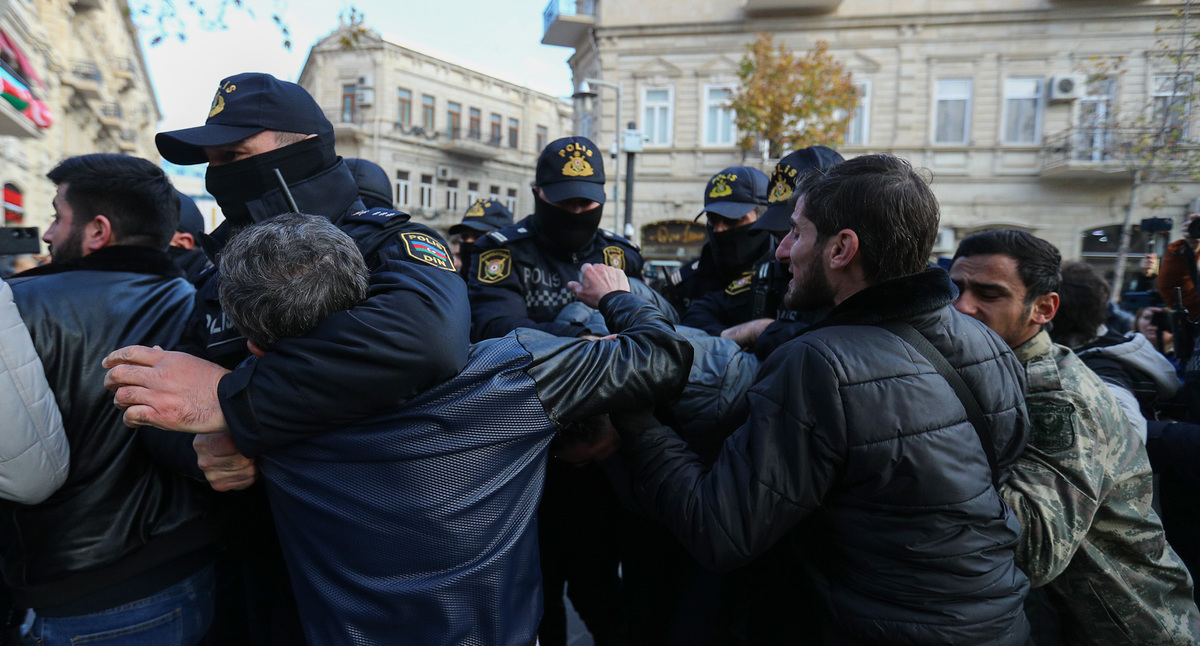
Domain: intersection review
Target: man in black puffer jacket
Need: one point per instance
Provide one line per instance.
(859, 460)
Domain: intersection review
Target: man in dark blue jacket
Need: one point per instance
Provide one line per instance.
(418, 525)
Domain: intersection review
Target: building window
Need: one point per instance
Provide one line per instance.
(543, 138)
(494, 139)
(859, 128)
(472, 192)
(514, 132)
(1094, 112)
(952, 119)
(474, 124)
(454, 119)
(1172, 103)
(348, 93)
(494, 194)
(718, 118)
(402, 188)
(1022, 110)
(452, 194)
(656, 115)
(404, 99)
(427, 191)
(428, 106)
(511, 200)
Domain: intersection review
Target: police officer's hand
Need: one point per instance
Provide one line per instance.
(168, 390)
(225, 468)
(597, 281)
(747, 333)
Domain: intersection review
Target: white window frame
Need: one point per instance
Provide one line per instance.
(452, 195)
(1039, 102)
(472, 193)
(427, 192)
(862, 115)
(402, 186)
(494, 193)
(938, 98)
(510, 200)
(667, 138)
(705, 120)
(1156, 94)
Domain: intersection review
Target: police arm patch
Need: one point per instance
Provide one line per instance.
(1053, 426)
(614, 257)
(427, 249)
(495, 266)
(740, 285)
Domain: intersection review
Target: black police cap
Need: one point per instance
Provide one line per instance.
(483, 216)
(571, 167)
(786, 178)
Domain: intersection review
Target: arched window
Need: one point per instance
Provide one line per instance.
(1099, 249)
(14, 205)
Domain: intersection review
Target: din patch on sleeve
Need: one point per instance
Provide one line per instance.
(428, 250)
(1053, 426)
(495, 266)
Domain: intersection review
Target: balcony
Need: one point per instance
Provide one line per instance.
(85, 78)
(798, 7)
(1109, 153)
(471, 145)
(110, 114)
(123, 68)
(128, 140)
(15, 124)
(566, 22)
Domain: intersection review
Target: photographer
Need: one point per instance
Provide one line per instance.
(1179, 268)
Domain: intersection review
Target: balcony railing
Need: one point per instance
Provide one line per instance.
(85, 78)
(565, 22)
(1098, 151)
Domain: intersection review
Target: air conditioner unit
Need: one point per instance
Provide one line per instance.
(443, 172)
(365, 81)
(945, 241)
(1067, 87)
(364, 97)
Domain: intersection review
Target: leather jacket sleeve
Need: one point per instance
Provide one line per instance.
(770, 474)
(408, 335)
(579, 379)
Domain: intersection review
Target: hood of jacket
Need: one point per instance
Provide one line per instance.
(1138, 354)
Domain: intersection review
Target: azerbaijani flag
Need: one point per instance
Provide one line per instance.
(430, 249)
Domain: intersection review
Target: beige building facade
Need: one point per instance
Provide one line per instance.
(444, 133)
(91, 76)
(992, 97)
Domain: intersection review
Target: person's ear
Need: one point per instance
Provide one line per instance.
(97, 234)
(842, 248)
(1044, 308)
(254, 349)
(183, 240)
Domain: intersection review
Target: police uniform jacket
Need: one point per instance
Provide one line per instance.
(1082, 491)
(859, 461)
(121, 527)
(409, 334)
(730, 302)
(518, 279)
(419, 525)
(692, 281)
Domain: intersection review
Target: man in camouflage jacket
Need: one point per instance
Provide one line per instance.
(1083, 486)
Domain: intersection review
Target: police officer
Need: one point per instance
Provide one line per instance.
(519, 274)
(714, 290)
(770, 323)
(270, 150)
(185, 249)
(484, 216)
(374, 187)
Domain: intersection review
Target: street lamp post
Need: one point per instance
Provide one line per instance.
(585, 92)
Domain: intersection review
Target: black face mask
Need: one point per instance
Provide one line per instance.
(736, 250)
(565, 230)
(233, 185)
(465, 251)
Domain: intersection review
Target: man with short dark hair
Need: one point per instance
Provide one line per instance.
(185, 244)
(123, 546)
(860, 461)
(1083, 486)
(419, 525)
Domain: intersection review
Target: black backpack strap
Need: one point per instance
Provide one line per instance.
(922, 345)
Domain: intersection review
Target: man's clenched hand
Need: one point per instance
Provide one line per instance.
(168, 390)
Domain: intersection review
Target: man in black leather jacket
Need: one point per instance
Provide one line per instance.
(270, 150)
(441, 547)
(123, 546)
(858, 458)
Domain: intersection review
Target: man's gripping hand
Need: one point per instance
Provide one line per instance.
(225, 468)
(168, 390)
(596, 282)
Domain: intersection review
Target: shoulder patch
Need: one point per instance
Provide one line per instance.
(498, 237)
(374, 216)
(740, 285)
(427, 249)
(1053, 426)
(675, 277)
(614, 257)
(495, 266)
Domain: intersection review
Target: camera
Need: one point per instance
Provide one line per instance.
(18, 240)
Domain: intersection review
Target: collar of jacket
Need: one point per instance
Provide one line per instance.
(896, 298)
(125, 258)
(331, 193)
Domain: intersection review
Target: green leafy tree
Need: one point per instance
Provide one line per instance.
(790, 101)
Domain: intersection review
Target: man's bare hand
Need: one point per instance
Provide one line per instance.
(168, 390)
(747, 333)
(597, 281)
(225, 468)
